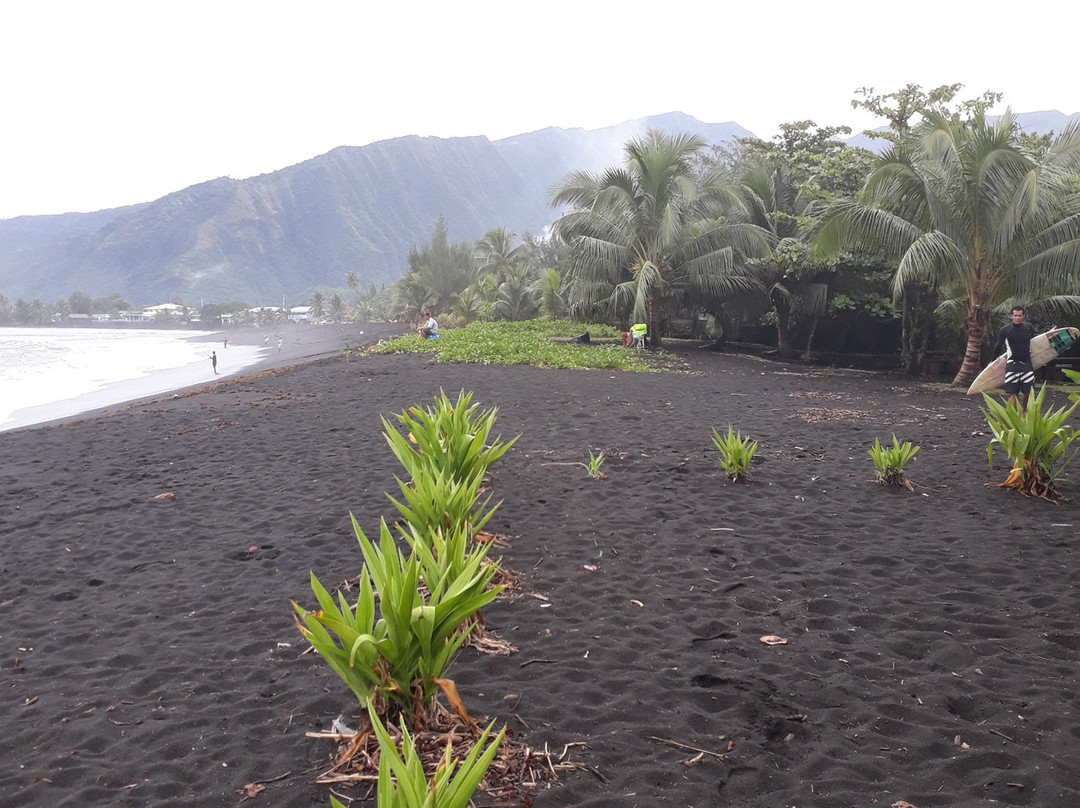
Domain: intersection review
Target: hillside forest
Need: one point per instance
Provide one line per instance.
(803, 242)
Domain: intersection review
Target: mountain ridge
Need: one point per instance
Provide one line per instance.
(353, 209)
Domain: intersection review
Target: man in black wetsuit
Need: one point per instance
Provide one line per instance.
(1014, 340)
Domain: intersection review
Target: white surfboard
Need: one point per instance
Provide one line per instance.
(1045, 348)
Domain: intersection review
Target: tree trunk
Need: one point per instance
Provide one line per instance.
(976, 324)
(810, 339)
(652, 319)
(783, 330)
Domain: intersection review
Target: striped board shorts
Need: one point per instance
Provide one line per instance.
(1019, 377)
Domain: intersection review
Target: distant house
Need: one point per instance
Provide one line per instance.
(301, 314)
(163, 310)
(71, 319)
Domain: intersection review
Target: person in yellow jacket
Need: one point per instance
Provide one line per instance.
(637, 335)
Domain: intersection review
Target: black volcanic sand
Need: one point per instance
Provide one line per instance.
(148, 657)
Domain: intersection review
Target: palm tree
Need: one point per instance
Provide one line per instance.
(514, 299)
(652, 231)
(336, 308)
(547, 290)
(789, 277)
(318, 305)
(410, 296)
(352, 282)
(971, 213)
(496, 252)
(468, 305)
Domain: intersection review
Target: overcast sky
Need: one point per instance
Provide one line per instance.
(107, 102)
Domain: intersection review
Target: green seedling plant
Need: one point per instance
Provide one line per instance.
(453, 437)
(402, 657)
(889, 462)
(346, 636)
(596, 462)
(736, 453)
(436, 500)
(1039, 443)
(422, 638)
(404, 784)
(446, 554)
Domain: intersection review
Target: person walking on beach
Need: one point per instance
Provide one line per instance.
(1014, 340)
(430, 328)
(280, 342)
(213, 360)
(226, 342)
(266, 339)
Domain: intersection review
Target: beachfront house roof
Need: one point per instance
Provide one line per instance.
(301, 314)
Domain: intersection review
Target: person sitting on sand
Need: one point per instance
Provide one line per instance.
(430, 328)
(1014, 340)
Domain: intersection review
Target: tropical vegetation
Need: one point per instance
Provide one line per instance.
(974, 215)
(536, 342)
(657, 234)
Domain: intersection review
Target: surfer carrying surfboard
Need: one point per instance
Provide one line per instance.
(1015, 341)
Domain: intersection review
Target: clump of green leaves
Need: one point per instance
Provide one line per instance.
(596, 461)
(736, 452)
(453, 437)
(889, 462)
(1039, 443)
(396, 650)
(404, 784)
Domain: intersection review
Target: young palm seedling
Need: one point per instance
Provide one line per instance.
(889, 461)
(594, 464)
(736, 452)
(403, 783)
(1039, 443)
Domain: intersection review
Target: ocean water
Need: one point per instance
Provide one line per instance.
(50, 373)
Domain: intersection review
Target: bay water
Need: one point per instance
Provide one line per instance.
(51, 373)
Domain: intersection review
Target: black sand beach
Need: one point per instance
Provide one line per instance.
(148, 654)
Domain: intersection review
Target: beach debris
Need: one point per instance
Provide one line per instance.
(958, 741)
(772, 639)
(541, 661)
(638, 603)
(166, 495)
(590, 567)
(250, 791)
(687, 747)
(902, 804)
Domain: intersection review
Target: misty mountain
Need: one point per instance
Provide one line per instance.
(353, 209)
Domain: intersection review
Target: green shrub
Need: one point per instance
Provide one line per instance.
(1039, 443)
(736, 452)
(889, 461)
